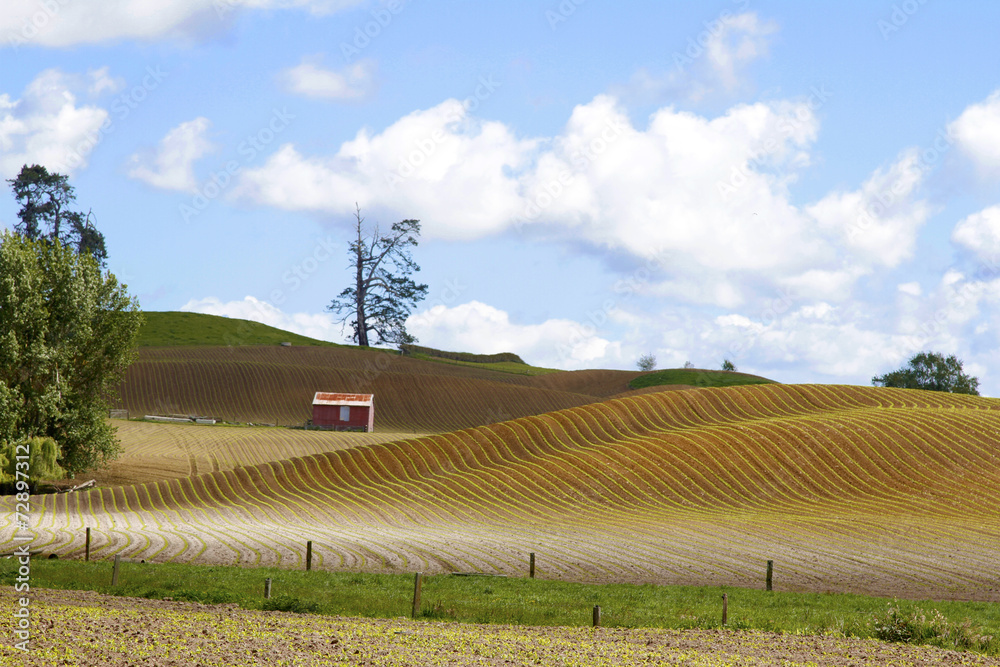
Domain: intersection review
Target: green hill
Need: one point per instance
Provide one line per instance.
(696, 377)
(173, 329)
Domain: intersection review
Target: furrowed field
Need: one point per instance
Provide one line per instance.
(848, 489)
(469, 470)
(275, 385)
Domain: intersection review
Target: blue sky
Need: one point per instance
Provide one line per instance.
(807, 189)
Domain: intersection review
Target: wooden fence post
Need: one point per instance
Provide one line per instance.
(86, 548)
(309, 555)
(725, 608)
(114, 573)
(417, 580)
(267, 588)
(597, 616)
(770, 573)
(531, 565)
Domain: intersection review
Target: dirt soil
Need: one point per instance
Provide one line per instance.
(85, 628)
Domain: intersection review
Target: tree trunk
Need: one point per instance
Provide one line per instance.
(360, 289)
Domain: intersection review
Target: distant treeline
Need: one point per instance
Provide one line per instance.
(462, 356)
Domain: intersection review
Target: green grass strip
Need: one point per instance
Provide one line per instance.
(480, 599)
(695, 377)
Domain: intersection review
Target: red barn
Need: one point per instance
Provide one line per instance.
(344, 411)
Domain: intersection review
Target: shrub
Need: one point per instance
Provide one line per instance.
(647, 362)
(918, 627)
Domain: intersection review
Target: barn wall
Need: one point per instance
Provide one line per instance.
(329, 415)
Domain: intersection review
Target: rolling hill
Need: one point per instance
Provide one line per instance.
(857, 489)
(237, 371)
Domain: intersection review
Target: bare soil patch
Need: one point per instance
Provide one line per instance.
(77, 628)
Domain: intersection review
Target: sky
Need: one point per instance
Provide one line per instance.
(806, 189)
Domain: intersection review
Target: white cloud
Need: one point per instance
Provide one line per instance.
(439, 165)
(706, 199)
(171, 166)
(47, 127)
(321, 326)
(353, 82)
(102, 82)
(980, 233)
(715, 60)
(912, 289)
(879, 222)
(809, 341)
(64, 23)
(977, 133)
(482, 329)
(741, 40)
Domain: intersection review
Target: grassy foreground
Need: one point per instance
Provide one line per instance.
(477, 599)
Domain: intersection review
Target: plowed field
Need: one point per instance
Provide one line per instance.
(154, 452)
(275, 385)
(850, 489)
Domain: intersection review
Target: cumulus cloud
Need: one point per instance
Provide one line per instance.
(979, 233)
(482, 329)
(977, 133)
(707, 199)
(309, 79)
(452, 169)
(321, 326)
(47, 126)
(878, 222)
(64, 23)
(171, 165)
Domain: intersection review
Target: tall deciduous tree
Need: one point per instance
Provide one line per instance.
(45, 212)
(933, 372)
(383, 294)
(67, 334)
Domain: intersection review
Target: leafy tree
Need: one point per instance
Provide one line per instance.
(728, 365)
(67, 334)
(43, 456)
(933, 372)
(45, 213)
(383, 293)
(647, 362)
